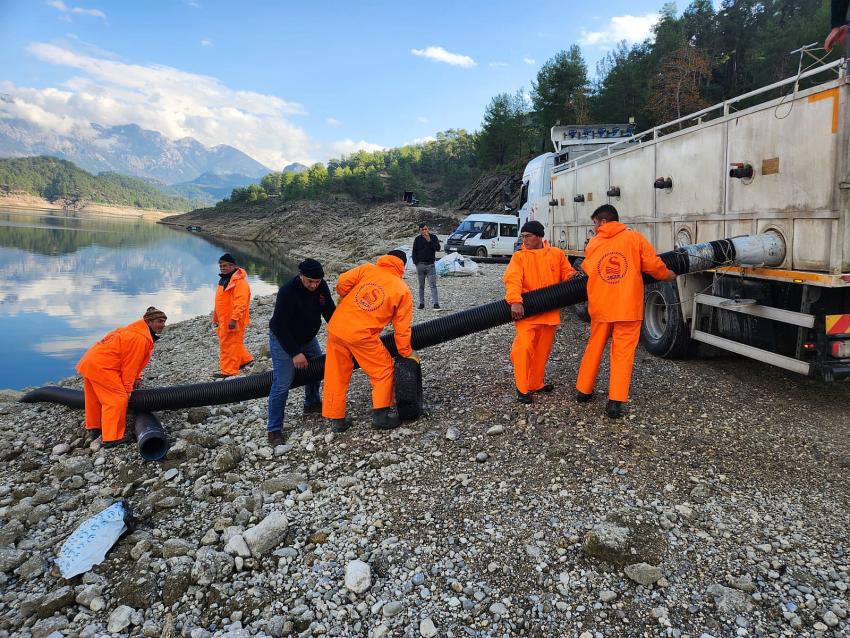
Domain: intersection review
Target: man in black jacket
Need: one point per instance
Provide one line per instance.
(425, 247)
(300, 305)
(838, 22)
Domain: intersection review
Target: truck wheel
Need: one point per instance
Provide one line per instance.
(664, 331)
(580, 310)
(481, 251)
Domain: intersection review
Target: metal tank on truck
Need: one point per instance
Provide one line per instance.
(761, 164)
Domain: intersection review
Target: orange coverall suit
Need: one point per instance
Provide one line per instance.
(529, 270)
(371, 296)
(109, 370)
(614, 262)
(233, 302)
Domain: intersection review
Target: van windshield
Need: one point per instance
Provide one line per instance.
(471, 227)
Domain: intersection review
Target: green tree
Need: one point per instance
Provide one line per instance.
(560, 85)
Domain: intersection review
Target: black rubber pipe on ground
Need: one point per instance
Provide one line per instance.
(681, 261)
(150, 436)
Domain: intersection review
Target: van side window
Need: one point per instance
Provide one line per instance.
(507, 230)
(523, 196)
(489, 231)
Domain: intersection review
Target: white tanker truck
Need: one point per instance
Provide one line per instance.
(761, 163)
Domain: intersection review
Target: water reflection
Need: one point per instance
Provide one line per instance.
(70, 279)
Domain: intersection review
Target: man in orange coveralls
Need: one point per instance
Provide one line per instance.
(536, 265)
(231, 316)
(614, 262)
(112, 369)
(371, 296)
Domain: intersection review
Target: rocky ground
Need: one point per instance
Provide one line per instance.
(718, 507)
(342, 231)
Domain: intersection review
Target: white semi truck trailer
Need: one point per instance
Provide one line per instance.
(759, 163)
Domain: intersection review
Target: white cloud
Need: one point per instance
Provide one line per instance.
(423, 140)
(422, 119)
(349, 146)
(205, 42)
(174, 102)
(332, 121)
(65, 9)
(496, 64)
(628, 27)
(529, 60)
(439, 54)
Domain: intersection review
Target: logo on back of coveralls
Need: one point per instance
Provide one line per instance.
(369, 296)
(612, 267)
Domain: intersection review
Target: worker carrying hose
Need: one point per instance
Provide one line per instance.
(112, 369)
(614, 261)
(298, 310)
(371, 296)
(535, 265)
(231, 316)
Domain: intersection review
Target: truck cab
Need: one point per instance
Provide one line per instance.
(484, 235)
(536, 190)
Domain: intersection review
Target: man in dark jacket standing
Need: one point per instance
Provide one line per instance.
(425, 247)
(300, 305)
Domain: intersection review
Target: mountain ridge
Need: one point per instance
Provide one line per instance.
(128, 149)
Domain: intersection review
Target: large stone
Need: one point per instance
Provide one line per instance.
(11, 532)
(10, 558)
(625, 537)
(268, 534)
(284, 483)
(427, 629)
(33, 567)
(236, 546)
(54, 601)
(201, 438)
(358, 576)
(48, 626)
(643, 573)
(227, 458)
(136, 589)
(211, 566)
(198, 415)
(729, 602)
(176, 584)
(119, 619)
(73, 466)
(176, 547)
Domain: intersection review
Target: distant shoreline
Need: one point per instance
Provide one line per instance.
(35, 204)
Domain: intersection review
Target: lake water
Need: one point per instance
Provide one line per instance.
(68, 279)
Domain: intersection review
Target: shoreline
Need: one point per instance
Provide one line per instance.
(31, 203)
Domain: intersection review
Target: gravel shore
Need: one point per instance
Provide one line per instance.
(718, 507)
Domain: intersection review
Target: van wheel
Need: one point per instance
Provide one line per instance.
(664, 331)
(580, 311)
(481, 251)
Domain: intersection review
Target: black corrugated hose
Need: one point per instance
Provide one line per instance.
(425, 334)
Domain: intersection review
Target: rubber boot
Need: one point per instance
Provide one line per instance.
(581, 397)
(384, 419)
(524, 397)
(340, 425)
(614, 409)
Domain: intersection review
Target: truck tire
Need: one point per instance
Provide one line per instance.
(580, 311)
(664, 331)
(481, 251)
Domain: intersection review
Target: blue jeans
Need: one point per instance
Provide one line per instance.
(284, 372)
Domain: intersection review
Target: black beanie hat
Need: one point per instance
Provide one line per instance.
(311, 268)
(400, 254)
(534, 227)
(228, 258)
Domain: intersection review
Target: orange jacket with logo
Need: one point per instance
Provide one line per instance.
(125, 351)
(614, 261)
(371, 296)
(532, 269)
(234, 301)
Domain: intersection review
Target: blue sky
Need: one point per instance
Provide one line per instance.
(287, 81)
